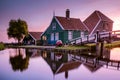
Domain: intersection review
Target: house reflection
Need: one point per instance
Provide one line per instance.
(33, 53)
(60, 62)
(64, 62)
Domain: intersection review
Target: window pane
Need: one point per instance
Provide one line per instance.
(70, 35)
(57, 36)
(53, 26)
(52, 36)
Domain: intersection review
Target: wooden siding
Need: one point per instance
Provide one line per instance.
(104, 27)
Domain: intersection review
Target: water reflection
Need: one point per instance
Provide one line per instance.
(60, 62)
(64, 63)
(18, 61)
(115, 54)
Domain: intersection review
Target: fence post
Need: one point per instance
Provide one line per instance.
(97, 36)
(81, 40)
(87, 38)
(101, 49)
(109, 37)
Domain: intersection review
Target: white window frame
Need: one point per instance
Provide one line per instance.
(70, 35)
(56, 36)
(54, 26)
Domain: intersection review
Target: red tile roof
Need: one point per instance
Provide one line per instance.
(35, 35)
(103, 17)
(71, 23)
(91, 67)
(94, 18)
(68, 66)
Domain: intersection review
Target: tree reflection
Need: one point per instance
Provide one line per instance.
(18, 62)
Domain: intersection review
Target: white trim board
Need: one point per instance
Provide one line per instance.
(95, 27)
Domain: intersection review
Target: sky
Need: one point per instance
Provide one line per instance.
(38, 13)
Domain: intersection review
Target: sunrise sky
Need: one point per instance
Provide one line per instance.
(38, 13)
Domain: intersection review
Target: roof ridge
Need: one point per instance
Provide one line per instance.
(59, 22)
(65, 17)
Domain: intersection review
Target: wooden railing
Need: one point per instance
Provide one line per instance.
(96, 37)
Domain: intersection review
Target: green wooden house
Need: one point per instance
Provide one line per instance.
(64, 29)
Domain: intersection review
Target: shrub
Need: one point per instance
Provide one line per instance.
(1, 46)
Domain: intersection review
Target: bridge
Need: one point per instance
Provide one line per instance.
(95, 61)
(96, 37)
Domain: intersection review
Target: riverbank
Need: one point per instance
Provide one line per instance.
(2, 46)
(90, 46)
(112, 45)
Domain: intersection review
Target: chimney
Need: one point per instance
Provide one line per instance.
(67, 13)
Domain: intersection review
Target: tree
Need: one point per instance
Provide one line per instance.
(17, 29)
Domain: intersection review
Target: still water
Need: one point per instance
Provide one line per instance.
(34, 64)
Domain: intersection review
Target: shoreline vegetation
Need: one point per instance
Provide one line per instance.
(90, 46)
(2, 47)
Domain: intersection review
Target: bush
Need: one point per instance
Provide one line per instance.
(1, 46)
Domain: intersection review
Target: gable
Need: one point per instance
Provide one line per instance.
(103, 27)
(50, 29)
(35, 35)
(104, 17)
(91, 21)
(96, 18)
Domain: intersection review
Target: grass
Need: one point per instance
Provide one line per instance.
(90, 46)
(107, 45)
(113, 44)
(1, 46)
(70, 47)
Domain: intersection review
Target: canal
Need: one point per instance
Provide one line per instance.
(36, 64)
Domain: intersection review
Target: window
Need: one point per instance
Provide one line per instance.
(53, 26)
(82, 34)
(70, 35)
(56, 36)
(52, 36)
(44, 38)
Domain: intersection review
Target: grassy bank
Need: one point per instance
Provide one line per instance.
(113, 44)
(2, 46)
(91, 46)
(106, 45)
(70, 47)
